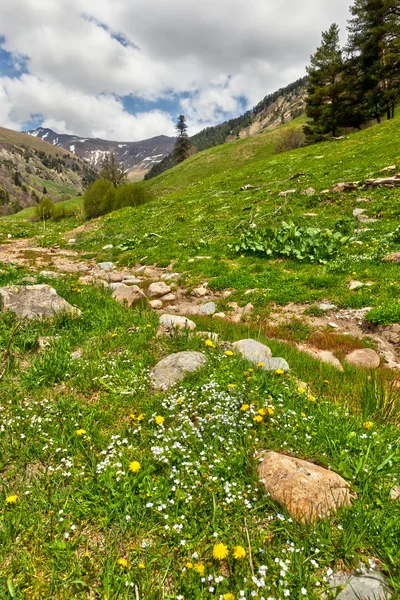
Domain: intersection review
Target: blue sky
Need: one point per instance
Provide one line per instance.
(124, 70)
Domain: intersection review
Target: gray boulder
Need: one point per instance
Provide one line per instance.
(365, 357)
(105, 266)
(34, 302)
(176, 322)
(252, 350)
(158, 289)
(173, 368)
(128, 294)
(368, 586)
(209, 308)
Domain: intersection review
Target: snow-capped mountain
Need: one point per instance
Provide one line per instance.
(136, 157)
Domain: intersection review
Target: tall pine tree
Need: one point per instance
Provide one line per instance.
(374, 47)
(325, 86)
(182, 144)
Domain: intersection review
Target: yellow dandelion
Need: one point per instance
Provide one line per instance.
(303, 414)
(220, 551)
(140, 417)
(80, 432)
(231, 386)
(228, 353)
(123, 562)
(189, 565)
(258, 419)
(262, 412)
(239, 552)
(141, 566)
(251, 370)
(280, 372)
(160, 420)
(270, 411)
(209, 343)
(86, 555)
(135, 466)
(302, 390)
(260, 364)
(13, 499)
(311, 397)
(228, 596)
(368, 425)
(245, 407)
(199, 568)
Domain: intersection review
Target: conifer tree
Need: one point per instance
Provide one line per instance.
(374, 46)
(182, 144)
(112, 170)
(325, 86)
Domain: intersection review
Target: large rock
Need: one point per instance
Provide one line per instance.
(173, 368)
(324, 356)
(176, 322)
(128, 294)
(158, 289)
(308, 491)
(365, 357)
(253, 351)
(393, 258)
(275, 364)
(209, 308)
(366, 586)
(356, 285)
(105, 266)
(34, 301)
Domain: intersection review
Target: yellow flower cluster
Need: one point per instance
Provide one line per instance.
(368, 425)
(160, 420)
(220, 552)
(13, 499)
(80, 432)
(135, 466)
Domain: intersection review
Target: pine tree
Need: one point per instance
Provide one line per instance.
(374, 46)
(182, 144)
(112, 170)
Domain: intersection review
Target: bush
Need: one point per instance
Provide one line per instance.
(44, 210)
(99, 198)
(131, 194)
(290, 139)
(290, 241)
(384, 315)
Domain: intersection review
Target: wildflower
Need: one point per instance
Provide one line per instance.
(260, 364)
(245, 407)
(228, 596)
(302, 390)
(231, 386)
(80, 432)
(280, 372)
(270, 411)
(123, 562)
(311, 397)
(140, 417)
(239, 552)
(199, 568)
(303, 414)
(228, 353)
(160, 420)
(368, 424)
(209, 343)
(220, 551)
(135, 466)
(13, 499)
(86, 555)
(262, 412)
(141, 566)
(258, 419)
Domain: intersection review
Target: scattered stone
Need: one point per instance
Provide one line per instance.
(389, 182)
(284, 194)
(170, 276)
(365, 219)
(44, 341)
(128, 294)
(168, 298)
(219, 315)
(323, 355)
(34, 301)
(253, 351)
(115, 277)
(362, 200)
(325, 191)
(108, 247)
(395, 493)
(308, 491)
(131, 280)
(173, 368)
(333, 325)
(226, 294)
(310, 215)
(344, 187)
(158, 289)
(276, 364)
(356, 285)
(156, 304)
(247, 187)
(393, 258)
(308, 192)
(358, 211)
(91, 280)
(71, 241)
(200, 292)
(105, 266)
(174, 321)
(150, 273)
(326, 307)
(76, 354)
(365, 357)
(389, 168)
(209, 308)
(50, 274)
(29, 279)
(369, 586)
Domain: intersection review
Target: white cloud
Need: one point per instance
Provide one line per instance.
(214, 52)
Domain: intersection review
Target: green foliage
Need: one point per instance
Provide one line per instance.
(99, 198)
(44, 210)
(4, 196)
(290, 139)
(291, 241)
(385, 315)
(131, 194)
(182, 144)
(113, 171)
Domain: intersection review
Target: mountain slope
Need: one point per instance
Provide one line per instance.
(136, 157)
(29, 166)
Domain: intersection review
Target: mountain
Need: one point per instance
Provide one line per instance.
(30, 168)
(136, 157)
(275, 109)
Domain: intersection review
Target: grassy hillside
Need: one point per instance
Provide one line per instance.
(16, 138)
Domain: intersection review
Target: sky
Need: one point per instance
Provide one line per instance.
(124, 69)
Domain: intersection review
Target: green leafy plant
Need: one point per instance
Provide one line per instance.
(385, 315)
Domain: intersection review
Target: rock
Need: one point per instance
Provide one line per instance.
(393, 258)
(108, 247)
(200, 292)
(105, 266)
(50, 274)
(44, 341)
(389, 182)
(276, 364)
(34, 301)
(395, 493)
(343, 187)
(366, 357)
(328, 357)
(219, 315)
(169, 276)
(247, 187)
(226, 294)
(310, 215)
(173, 321)
(156, 304)
(358, 211)
(128, 294)
(115, 277)
(168, 298)
(209, 308)
(284, 194)
(365, 219)
(308, 491)
(362, 200)
(91, 280)
(151, 273)
(252, 350)
(71, 241)
(173, 368)
(158, 289)
(76, 354)
(131, 280)
(326, 307)
(389, 168)
(333, 325)
(308, 192)
(368, 586)
(356, 285)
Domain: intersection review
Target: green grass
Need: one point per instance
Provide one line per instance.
(8, 136)
(70, 428)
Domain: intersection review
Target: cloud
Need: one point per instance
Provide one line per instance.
(83, 56)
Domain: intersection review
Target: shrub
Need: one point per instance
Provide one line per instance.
(44, 210)
(99, 198)
(385, 315)
(131, 194)
(290, 241)
(290, 139)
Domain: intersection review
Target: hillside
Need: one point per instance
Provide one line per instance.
(28, 166)
(136, 157)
